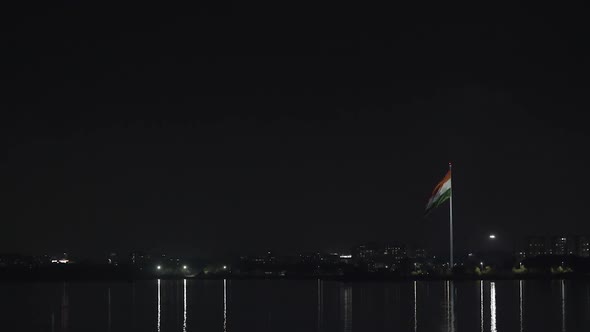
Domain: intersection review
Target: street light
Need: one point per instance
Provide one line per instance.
(184, 267)
(159, 267)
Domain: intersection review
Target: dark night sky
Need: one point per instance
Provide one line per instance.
(236, 128)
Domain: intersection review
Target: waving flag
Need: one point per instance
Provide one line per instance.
(440, 194)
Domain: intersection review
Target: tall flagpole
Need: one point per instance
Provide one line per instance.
(451, 218)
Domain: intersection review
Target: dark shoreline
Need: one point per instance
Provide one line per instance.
(355, 278)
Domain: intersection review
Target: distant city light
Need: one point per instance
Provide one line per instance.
(492, 236)
(60, 261)
(345, 256)
(159, 267)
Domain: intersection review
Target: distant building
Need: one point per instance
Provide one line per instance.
(520, 255)
(535, 246)
(395, 251)
(563, 245)
(309, 258)
(270, 258)
(375, 256)
(140, 258)
(420, 253)
(583, 246)
(365, 252)
(14, 260)
(331, 258)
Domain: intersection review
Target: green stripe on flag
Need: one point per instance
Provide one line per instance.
(443, 198)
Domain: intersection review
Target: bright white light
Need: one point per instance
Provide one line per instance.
(184, 267)
(159, 267)
(492, 236)
(345, 256)
(225, 267)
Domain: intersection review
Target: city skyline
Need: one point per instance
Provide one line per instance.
(529, 246)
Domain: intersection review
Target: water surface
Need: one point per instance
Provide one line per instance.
(289, 305)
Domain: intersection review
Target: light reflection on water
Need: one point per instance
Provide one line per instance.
(320, 305)
(346, 300)
(481, 303)
(224, 305)
(562, 293)
(521, 304)
(109, 309)
(159, 304)
(184, 305)
(315, 305)
(415, 307)
(493, 327)
(65, 308)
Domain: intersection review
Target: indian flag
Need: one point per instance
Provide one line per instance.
(440, 194)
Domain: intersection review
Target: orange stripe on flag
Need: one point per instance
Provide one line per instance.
(445, 179)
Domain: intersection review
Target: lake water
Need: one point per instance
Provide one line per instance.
(289, 305)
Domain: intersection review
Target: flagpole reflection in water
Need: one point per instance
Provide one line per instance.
(184, 305)
(159, 304)
(447, 305)
(450, 305)
(493, 327)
